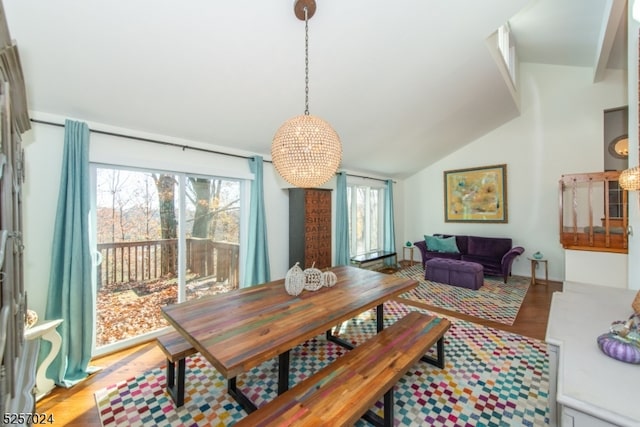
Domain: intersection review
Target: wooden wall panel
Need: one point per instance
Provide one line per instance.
(310, 227)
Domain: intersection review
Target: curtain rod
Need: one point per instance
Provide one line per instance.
(171, 144)
(154, 141)
(368, 177)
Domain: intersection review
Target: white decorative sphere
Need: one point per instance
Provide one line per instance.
(312, 279)
(294, 281)
(329, 279)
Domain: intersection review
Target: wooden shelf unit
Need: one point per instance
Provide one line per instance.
(310, 227)
(586, 204)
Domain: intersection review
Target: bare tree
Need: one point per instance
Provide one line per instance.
(166, 184)
(206, 195)
(201, 198)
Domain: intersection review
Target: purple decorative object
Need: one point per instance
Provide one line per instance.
(456, 273)
(619, 348)
(495, 254)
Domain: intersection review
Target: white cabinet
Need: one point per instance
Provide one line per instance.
(554, 355)
(13, 301)
(572, 418)
(15, 354)
(588, 388)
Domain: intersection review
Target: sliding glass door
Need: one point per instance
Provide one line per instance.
(161, 237)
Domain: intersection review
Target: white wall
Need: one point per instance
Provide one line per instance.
(43, 161)
(559, 131)
(587, 267)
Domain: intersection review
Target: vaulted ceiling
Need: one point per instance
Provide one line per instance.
(404, 83)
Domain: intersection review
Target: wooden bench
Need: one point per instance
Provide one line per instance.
(176, 348)
(345, 390)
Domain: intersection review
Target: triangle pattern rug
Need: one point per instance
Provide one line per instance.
(495, 300)
(491, 378)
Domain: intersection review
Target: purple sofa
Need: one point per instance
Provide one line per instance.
(495, 254)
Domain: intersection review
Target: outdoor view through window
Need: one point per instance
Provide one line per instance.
(365, 219)
(140, 216)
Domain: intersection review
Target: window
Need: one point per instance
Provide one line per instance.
(162, 237)
(508, 50)
(365, 204)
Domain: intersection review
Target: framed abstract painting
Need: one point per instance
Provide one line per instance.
(476, 194)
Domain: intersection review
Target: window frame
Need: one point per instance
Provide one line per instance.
(181, 217)
(380, 188)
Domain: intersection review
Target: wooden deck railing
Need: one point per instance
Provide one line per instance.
(124, 262)
(585, 197)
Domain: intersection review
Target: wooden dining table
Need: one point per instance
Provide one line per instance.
(238, 330)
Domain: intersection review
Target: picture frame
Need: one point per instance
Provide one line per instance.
(476, 194)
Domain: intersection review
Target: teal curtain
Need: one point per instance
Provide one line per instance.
(70, 291)
(257, 266)
(389, 238)
(343, 256)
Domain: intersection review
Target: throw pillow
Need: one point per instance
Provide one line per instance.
(441, 244)
(448, 245)
(433, 243)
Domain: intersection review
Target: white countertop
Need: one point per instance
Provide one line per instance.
(589, 380)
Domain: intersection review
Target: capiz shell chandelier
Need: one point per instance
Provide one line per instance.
(306, 151)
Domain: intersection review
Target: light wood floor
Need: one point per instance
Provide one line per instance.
(76, 406)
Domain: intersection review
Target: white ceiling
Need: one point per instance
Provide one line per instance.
(404, 83)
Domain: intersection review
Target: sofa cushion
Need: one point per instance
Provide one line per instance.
(441, 244)
(448, 245)
(490, 247)
(491, 265)
(461, 241)
(448, 255)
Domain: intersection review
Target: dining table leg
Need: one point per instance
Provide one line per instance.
(239, 396)
(283, 384)
(283, 372)
(345, 344)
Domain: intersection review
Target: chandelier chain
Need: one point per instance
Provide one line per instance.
(306, 61)
(306, 151)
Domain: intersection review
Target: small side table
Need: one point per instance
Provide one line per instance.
(534, 265)
(404, 256)
(46, 331)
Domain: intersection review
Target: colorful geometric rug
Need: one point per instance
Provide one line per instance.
(491, 378)
(495, 300)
